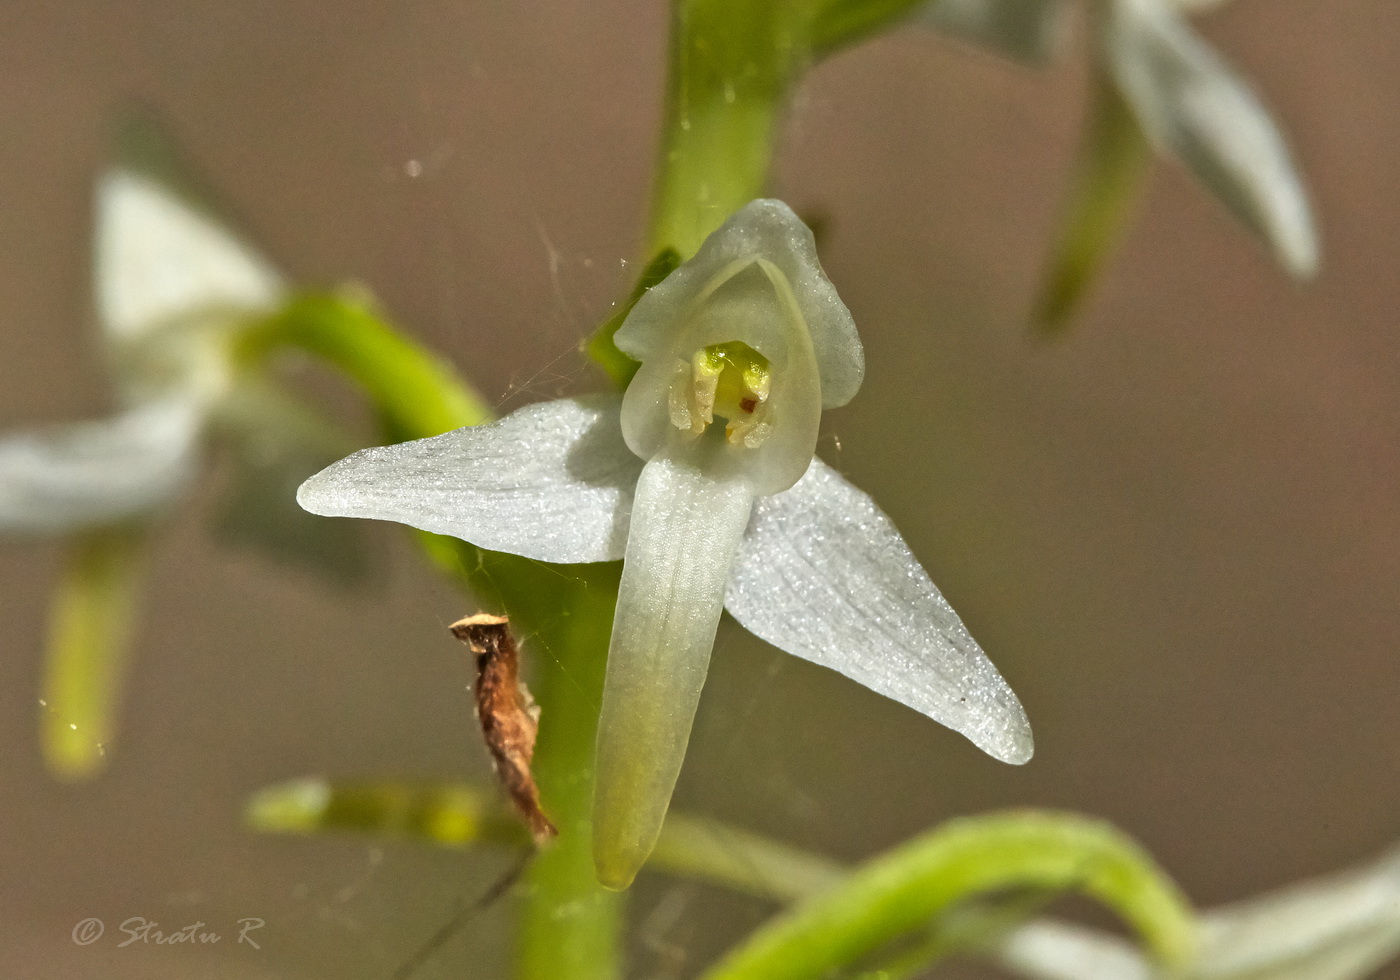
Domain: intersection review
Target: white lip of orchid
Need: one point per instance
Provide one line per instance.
(735, 321)
(704, 521)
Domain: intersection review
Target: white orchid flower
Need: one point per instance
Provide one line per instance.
(1190, 104)
(171, 278)
(1341, 927)
(173, 284)
(702, 479)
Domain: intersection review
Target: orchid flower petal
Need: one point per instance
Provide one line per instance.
(88, 474)
(824, 575)
(1028, 31)
(686, 527)
(162, 251)
(550, 481)
(766, 229)
(1193, 106)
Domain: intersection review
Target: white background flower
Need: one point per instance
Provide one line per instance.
(1190, 104)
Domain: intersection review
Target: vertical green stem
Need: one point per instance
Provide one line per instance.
(1113, 158)
(90, 623)
(569, 925)
(733, 64)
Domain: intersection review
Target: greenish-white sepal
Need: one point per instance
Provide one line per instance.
(1032, 32)
(160, 259)
(551, 481)
(1049, 950)
(686, 528)
(1340, 927)
(824, 575)
(750, 300)
(67, 478)
(1334, 928)
(762, 229)
(1192, 106)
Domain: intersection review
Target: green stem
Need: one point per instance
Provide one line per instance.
(899, 893)
(90, 621)
(733, 64)
(417, 394)
(461, 815)
(569, 925)
(1113, 159)
(840, 23)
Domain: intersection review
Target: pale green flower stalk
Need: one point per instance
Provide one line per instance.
(703, 479)
(1156, 85)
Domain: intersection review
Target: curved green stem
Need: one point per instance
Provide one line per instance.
(899, 893)
(840, 23)
(417, 394)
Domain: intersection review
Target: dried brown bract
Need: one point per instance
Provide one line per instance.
(509, 716)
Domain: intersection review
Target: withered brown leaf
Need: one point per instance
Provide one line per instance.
(509, 716)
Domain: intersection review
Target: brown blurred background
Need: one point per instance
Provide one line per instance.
(1177, 532)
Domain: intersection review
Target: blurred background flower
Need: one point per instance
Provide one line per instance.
(175, 286)
(1154, 81)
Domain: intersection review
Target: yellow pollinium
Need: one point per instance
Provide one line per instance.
(730, 380)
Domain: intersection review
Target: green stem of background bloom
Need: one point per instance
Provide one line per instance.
(1113, 158)
(1024, 858)
(417, 394)
(90, 623)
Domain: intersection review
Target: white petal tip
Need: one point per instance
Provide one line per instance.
(1017, 750)
(311, 495)
(1301, 259)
